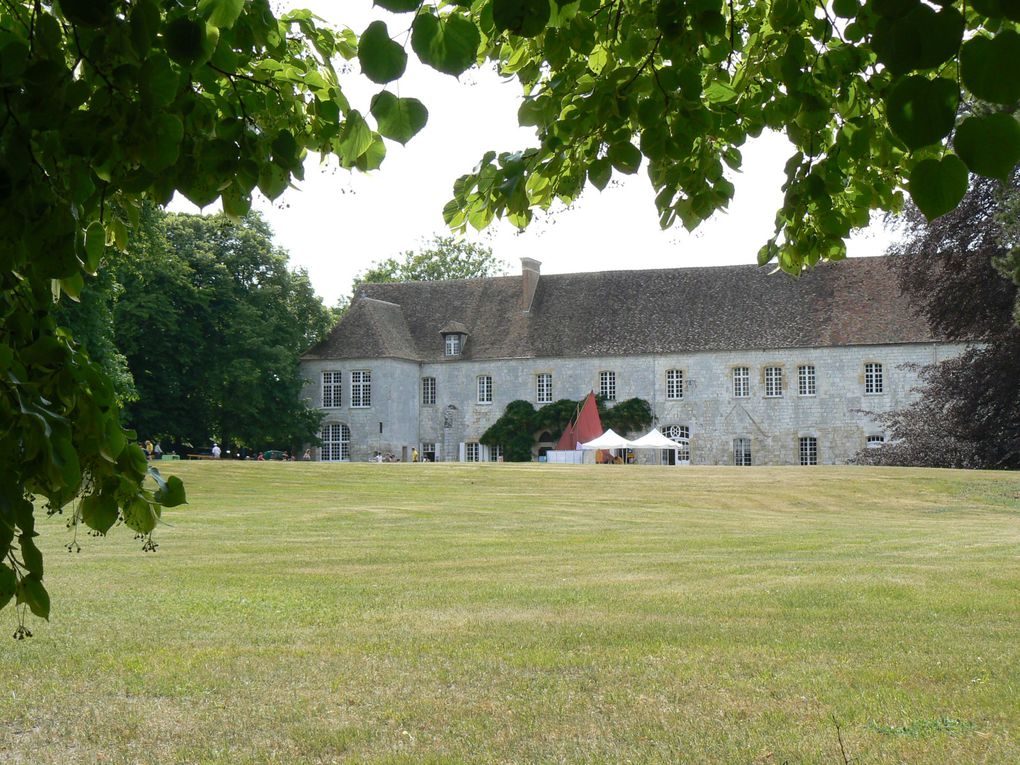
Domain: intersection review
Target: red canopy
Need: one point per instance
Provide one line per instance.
(567, 441)
(588, 425)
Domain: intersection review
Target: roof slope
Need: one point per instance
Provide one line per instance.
(852, 302)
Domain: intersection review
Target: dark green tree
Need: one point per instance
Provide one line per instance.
(212, 322)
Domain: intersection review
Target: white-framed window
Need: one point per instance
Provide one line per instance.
(741, 382)
(336, 442)
(876, 440)
(808, 450)
(453, 345)
(873, 382)
(674, 384)
(543, 388)
(607, 385)
(428, 391)
(428, 451)
(484, 389)
(332, 390)
(806, 380)
(472, 451)
(742, 451)
(773, 382)
(496, 453)
(682, 435)
(361, 388)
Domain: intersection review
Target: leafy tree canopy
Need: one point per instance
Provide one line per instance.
(442, 257)
(961, 274)
(212, 323)
(108, 104)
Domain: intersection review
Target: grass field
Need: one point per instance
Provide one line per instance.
(315, 613)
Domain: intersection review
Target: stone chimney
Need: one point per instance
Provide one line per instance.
(530, 270)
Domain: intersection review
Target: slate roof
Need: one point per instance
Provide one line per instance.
(619, 313)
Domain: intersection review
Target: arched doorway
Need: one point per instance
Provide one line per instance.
(336, 442)
(682, 435)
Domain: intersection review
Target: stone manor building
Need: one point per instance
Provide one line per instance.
(747, 367)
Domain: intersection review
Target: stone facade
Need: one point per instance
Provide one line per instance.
(778, 416)
(397, 420)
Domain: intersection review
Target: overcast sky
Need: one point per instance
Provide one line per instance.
(339, 223)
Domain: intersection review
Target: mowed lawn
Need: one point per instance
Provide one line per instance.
(316, 613)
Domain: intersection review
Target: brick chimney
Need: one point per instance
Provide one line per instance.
(530, 270)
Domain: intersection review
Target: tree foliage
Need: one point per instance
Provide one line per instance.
(113, 103)
(442, 257)
(520, 424)
(212, 322)
(959, 272)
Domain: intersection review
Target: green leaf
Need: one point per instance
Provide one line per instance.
(920, 39)
(236, 203)
(398, 6)
(625, 156)
(161, 144)
(99, 512)
(719, 92)
(8, 584)
(526, 18)
(382, 60)
(172, 494)
(922, 111)
(448, 44)
(139, 515)
(600, 172)
(399, 119)
(95, 246)
(30, 555)
(989, 145)
(356, 137)
(221, 13)
(273, 180)
(158, 80)
(30, 590)
(989, 67)
(937, 186)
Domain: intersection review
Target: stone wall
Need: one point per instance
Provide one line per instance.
(833, 415)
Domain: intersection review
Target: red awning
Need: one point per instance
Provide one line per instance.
(588, 425)
(567, 442)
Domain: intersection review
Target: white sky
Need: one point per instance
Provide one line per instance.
(339, 223)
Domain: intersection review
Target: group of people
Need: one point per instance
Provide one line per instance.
(153, 451)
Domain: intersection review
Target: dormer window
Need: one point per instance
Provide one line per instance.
(454, 334)
(453, 345)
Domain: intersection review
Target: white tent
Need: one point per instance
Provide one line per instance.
(654, 440)
(608, 440)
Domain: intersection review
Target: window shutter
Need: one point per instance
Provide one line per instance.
(460, 452)
(483, 453)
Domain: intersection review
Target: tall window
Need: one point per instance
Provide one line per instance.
(361, 388)
(428, 451)
(742, 451)
(484, 389)
(806, 380)
(681, 434)
(741, 382)
(453, 345)
(543, 383)
(876, 440)
(773, 382)
(873, 378)
(808, 450)
(336, 442)
(674, 383)
(496, 453)
(332, 389)
(472, 451)
(428, 391)
(607, 385)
